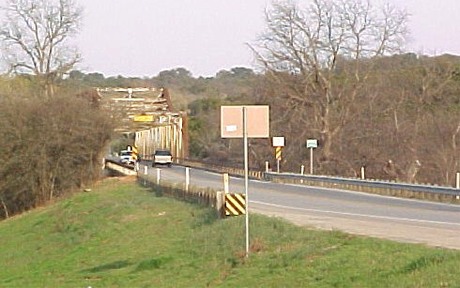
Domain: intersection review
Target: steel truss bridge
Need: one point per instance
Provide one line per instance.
(149, 116)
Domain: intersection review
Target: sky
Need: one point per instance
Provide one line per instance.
(140, 38)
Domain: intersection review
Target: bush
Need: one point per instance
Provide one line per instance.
(48, 148)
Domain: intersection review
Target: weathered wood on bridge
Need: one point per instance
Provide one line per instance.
(162, 129)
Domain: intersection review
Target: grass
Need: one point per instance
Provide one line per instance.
(123, 235)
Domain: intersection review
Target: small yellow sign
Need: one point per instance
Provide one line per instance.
(143, 118)
(278, 153)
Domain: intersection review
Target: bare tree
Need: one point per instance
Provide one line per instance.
(35, 36)
(318, 56)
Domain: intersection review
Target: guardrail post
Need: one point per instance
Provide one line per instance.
(187, 178)
(158, 176)
(302, 172)
(458, 181)
(220, 203)
(266, 166)
(225, 179)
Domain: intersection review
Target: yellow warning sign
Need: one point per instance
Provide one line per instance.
(278, 153)
(143, 118)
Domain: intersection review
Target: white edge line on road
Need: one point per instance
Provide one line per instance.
(375, 195)
(354, 214)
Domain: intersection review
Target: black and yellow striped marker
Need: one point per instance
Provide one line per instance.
(235, 204)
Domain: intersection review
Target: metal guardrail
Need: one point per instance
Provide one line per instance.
(368, 183)
(406, 190)
(234, 171)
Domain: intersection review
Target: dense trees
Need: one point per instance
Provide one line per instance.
(405, 126)
(316, 58)
(48, 149)
(330, 71)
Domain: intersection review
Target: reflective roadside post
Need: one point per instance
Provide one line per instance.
(226, 183)
(458, 181)
(158, 176)
(187, 178)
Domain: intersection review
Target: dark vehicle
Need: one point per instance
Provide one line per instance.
(162, 157)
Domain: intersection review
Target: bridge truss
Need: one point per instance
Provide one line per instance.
(148, 115)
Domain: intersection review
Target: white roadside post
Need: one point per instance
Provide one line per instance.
(226, 183)
(458, 181)
(311, 144)
(187, 178)
(302, 172)
(363, 176)
(146, 172)
(158, 176)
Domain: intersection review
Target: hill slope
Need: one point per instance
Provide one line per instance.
(122, 235)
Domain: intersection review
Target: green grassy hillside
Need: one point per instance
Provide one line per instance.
(122, 235)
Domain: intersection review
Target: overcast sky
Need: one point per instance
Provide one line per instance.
(143, 37)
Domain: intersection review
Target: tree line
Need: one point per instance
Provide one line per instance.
(335, 71)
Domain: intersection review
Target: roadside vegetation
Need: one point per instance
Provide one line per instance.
(124, 235)
(335, 71)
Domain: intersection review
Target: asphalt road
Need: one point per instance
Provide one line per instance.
(405, 220)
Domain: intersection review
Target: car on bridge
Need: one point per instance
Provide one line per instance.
(127, 157)
(162, 157)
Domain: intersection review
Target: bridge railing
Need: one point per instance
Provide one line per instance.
(221, 168)
(386, 188)
(198, 195)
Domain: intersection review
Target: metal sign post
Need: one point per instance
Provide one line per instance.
(245, 122)
(278, 158)
(311, 144)
(246, 175)
(311, 160)
(278, 143)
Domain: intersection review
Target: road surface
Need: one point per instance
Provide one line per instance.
(405, 220)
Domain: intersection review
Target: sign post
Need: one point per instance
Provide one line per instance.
(245, 122)
(311, 144)
(278, 143)
(246, 173)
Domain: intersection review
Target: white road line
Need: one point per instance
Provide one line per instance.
(354, 214)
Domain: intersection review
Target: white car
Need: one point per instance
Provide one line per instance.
(127, 157)
(163, 157)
